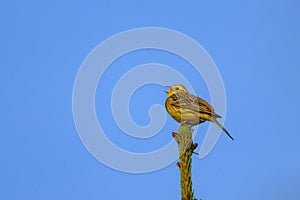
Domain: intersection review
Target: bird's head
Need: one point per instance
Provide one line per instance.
(175, 89)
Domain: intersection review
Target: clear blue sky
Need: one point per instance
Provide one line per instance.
(255, 45)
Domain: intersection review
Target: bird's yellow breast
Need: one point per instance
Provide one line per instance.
(180, 114)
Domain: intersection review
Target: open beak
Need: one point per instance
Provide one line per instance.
(167, 91)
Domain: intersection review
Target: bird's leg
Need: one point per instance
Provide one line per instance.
(182, 123)
(185, 123)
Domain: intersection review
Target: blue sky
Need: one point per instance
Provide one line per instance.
(255, 46)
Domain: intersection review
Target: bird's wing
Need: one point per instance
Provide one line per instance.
(191, 102)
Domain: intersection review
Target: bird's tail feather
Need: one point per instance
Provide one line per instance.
(220, 125)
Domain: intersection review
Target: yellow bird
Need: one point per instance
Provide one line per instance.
(188, 109)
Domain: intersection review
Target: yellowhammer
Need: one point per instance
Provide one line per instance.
(188, 109)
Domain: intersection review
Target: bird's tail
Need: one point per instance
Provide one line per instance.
(220, 125)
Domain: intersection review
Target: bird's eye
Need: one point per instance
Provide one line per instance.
(176, 88)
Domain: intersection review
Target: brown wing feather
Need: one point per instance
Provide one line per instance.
(191, 102)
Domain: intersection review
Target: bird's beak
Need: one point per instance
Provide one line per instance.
(167, 91)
